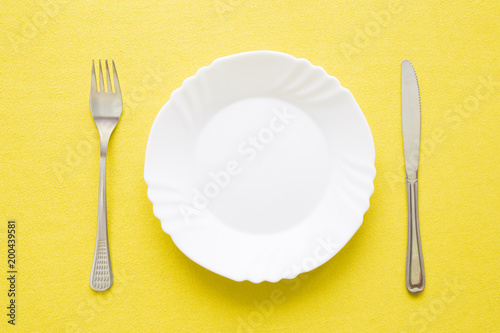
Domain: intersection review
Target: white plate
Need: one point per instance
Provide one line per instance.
(260, 166)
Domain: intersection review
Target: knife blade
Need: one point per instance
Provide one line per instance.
(410, 112)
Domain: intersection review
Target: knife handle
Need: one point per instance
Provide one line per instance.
(415, 275)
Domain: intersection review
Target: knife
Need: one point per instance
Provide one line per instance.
(410, 109)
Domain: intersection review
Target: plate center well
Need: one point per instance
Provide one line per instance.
(261, 165)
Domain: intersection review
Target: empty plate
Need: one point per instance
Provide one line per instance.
(260, 166)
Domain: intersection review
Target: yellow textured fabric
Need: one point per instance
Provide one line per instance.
(49, 164)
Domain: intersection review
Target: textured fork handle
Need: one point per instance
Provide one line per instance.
(415, 276)
(101, 277)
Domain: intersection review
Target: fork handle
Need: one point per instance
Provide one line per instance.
(415, 275)
(101, 276)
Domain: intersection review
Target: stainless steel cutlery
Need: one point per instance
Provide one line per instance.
(410, 108)
(106, 108)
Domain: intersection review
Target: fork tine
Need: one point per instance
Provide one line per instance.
(93, 84)
(108, 78)
(115, 76)
(101, 79)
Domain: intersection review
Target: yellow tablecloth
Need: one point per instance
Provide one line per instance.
(49, 165)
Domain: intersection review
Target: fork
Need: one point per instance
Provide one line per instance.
(106, 108)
